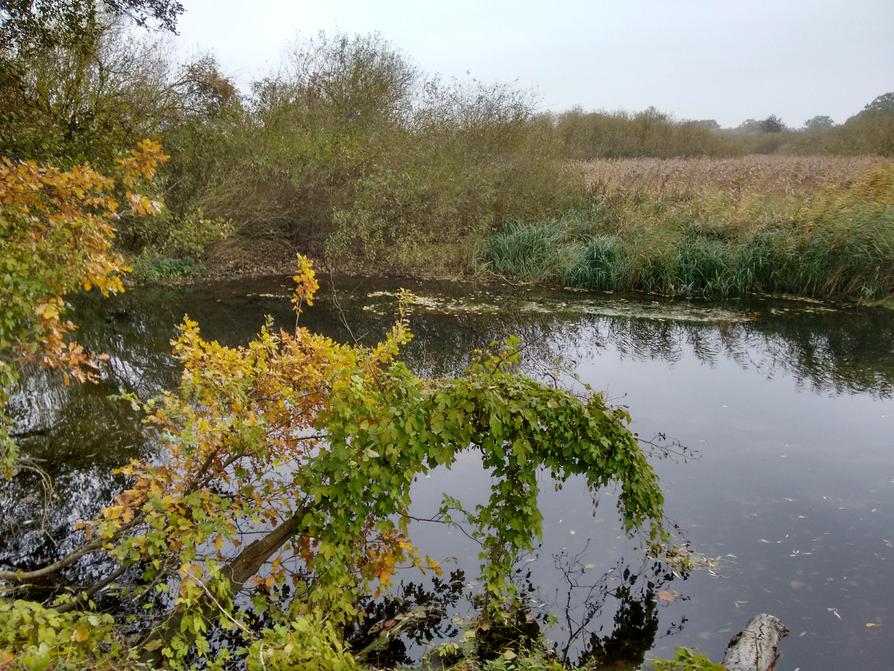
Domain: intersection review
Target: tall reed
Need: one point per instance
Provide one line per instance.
(826, 241)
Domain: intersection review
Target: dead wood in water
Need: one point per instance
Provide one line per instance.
(755, 648)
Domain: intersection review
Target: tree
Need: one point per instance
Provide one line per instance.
(26, 24)
(710, 124)
(313, 446)
(56, 233)
(883, 104)
(772, 124)
(205, 90)
(871, 131)
(750, 126)
(819, 123)
(69, 104)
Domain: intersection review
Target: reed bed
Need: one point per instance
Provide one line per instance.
(753, 173)
(819, 227)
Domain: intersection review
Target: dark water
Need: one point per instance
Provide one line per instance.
(786, 484)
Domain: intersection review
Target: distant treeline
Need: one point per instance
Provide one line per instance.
(650, 133)
(348, 152)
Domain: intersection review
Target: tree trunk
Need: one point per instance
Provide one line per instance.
(755, 648)
(246, 564)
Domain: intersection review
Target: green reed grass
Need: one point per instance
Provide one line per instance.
(833, 243)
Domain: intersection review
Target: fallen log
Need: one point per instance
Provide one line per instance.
(756, 647)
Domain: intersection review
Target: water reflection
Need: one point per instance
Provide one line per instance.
(674, 363)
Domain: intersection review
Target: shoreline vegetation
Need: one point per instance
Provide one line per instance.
(109, 151)
(810, 227)
(352, 155)
(814, 227)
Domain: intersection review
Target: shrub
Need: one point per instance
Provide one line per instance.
(588, 135)
(150, 267)
(352, 153)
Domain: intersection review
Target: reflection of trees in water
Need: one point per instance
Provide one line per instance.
(609, 619)
(584, 599)
(78, 430)
(423, 612)
(35, 532)
(842, 352)
(80, 435)
(386, 630)
(77, 435)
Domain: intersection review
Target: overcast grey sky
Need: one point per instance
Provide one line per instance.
(700, 59)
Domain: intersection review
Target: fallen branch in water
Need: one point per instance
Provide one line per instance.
(755, 648)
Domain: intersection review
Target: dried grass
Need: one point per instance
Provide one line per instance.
(781, 175)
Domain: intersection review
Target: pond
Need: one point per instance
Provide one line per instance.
(772, 420)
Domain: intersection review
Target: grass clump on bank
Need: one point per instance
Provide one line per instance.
(665, 234)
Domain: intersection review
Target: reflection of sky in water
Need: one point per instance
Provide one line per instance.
(788, 406)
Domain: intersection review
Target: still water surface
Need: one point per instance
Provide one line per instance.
(783, 411)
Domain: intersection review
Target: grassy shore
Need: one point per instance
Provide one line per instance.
(819, 227)
(815, 226)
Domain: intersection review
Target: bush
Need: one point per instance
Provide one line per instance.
(588, 135)
(352, 153)
(150, 267)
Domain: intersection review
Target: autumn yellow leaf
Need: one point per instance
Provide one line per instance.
(666, 596)
(80, 634)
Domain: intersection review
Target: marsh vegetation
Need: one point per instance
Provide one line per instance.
(353, 155)
(243, 490)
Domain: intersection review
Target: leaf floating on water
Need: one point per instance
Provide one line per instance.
(666, 596)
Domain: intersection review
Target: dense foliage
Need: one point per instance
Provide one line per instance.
(348, 152)
(650, 133)
(309, 445)
(352, 154)
(33, 24)
(56, 233)
(589, 135)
